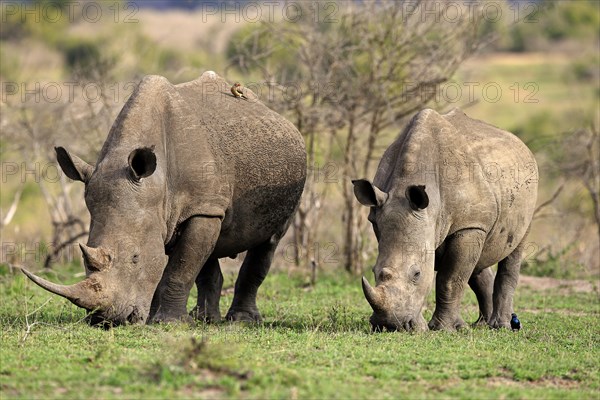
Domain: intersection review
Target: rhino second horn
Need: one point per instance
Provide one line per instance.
(97, 259)
(79, 294)
(373, 297)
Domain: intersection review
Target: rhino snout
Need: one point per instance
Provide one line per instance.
(409, 324)
(390, 312)
(110, 318)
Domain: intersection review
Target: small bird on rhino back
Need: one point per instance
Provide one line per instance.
(236, 91)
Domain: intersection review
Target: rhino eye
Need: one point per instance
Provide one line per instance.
(135, 258)
(416, 276)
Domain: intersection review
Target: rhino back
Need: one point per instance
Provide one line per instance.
(504, 164)
(477, 176)
(257, 158)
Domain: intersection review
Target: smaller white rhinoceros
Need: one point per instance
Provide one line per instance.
(453, 195)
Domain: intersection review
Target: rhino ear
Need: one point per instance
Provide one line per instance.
(142, 162)
(73, 166)
(417, 197)
(368, 194)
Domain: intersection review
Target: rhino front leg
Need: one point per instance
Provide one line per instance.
(505, 284)
(209, 283)
(252, 273)
(482, 283)
(461, 254)
(191, 252)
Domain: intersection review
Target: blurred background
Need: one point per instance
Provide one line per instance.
(349, 75)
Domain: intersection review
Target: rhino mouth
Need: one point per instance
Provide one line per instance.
(408, 324)
(132, 315)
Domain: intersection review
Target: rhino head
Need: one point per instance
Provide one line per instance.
(404, 270)
(125, 254)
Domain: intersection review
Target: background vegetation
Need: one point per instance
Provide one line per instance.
(350, 80)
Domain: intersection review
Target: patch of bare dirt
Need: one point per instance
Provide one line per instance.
(192, 392)
(563, 286)
(524, 59)
(553, 382)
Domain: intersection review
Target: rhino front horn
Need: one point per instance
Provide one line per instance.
(373, 297)
(84, 294)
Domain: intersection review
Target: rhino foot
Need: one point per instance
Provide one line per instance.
(202, 315)
(244, 316)
(497, 323)
(481, 322)
(165, 318)
(437, 324)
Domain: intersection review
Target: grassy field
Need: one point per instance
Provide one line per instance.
(315, 342)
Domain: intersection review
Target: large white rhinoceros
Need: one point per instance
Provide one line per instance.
(188, 174)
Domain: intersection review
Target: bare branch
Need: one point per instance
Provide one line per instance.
(13, 207)
(549, 201)
(30, 326)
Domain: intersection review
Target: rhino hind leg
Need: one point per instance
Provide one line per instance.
(505, 284)
(190, 253)
(461, 253)
(252, 273)
(209, 283)
(482, 284)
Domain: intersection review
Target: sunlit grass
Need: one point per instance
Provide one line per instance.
(315, 342)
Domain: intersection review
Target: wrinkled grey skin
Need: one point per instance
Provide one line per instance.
(188, 174)
(456, 196)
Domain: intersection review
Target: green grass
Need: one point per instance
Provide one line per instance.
(314, 343)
